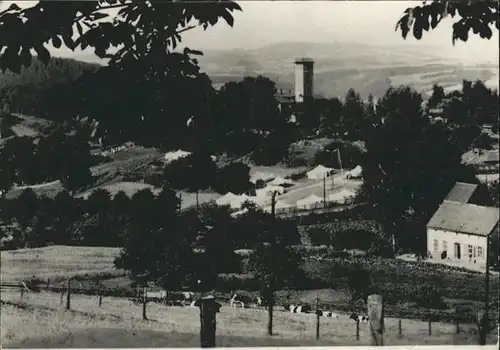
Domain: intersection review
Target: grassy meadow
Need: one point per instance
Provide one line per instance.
(58, 262)
(41, 321)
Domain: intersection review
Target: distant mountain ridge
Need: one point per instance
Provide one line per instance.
(339, 66)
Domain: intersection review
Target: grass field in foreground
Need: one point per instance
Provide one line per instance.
(56, 262)
(43, 322)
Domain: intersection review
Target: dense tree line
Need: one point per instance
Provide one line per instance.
(43, 90)
(156, 238)
(242, 118)
(60, 155)
(199, 171)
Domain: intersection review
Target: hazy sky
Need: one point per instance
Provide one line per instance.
(372, 22)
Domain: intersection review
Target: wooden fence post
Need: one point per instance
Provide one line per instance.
(22, 291)
(48, 284)
(376, 317)
(208, 309)
(68, 295)
(357, 328)
(400, 329)
(317, 317)
(430, 326)
(100, 298)
(144, 301)
(457, 323)
(62, 295)
(481, 322)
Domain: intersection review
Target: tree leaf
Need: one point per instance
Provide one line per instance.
(486, 32)
(79, 28)
(434, 20)
(43, 54)
(26, 56)
(14, 7)
(99, 15)
(56, 42)
(228, 17)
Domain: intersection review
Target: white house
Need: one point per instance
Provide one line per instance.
(458, 232)
(319, 173)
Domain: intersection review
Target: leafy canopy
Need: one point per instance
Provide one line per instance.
(118, 30)
(478, 15)
(409, 166)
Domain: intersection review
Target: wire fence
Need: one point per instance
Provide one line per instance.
(318, 323)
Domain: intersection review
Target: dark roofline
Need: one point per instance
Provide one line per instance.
(300, 60)
(463, 232)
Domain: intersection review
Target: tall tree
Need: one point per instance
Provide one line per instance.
(478, 15)
(437, 96)
(154, 245)
(144, 80)
(330, 116)
(409, 167)
(353, 116)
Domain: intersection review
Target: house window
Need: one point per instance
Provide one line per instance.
(457, 251)
(469, 249)
(480, 252)
(445, 246)
(436, 245)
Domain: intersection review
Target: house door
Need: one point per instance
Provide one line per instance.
(457, 250)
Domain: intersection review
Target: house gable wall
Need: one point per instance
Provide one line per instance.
(465, 240)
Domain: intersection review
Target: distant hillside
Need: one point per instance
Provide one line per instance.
(23, 92)
(340, 66)
(58, 70)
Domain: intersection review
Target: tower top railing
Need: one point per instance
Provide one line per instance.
(302, 60)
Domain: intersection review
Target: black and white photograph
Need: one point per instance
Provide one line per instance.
(202, 174)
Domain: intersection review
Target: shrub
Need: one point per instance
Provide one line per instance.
(195, 172)
(350, 155)
(232, 281)
(293, 161)
(260, 183)
(154, 179)
(234, 177)
(398, 280)
(297, 176)
(364, 235)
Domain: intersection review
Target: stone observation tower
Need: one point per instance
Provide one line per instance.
(304, 73)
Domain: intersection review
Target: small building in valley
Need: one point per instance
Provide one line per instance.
(459, 231)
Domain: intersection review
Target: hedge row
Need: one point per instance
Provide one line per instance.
(400, 279)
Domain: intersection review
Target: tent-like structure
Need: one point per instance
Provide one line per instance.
(354, 173)
(342, 196)
(279, 181)
(171, 156)
(226, 199)
(309, 201)
(319, 173)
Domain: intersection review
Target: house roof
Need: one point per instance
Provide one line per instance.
(465, 218)
(285, 98)
(491, 157)
(319, 170)
(461, 192)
